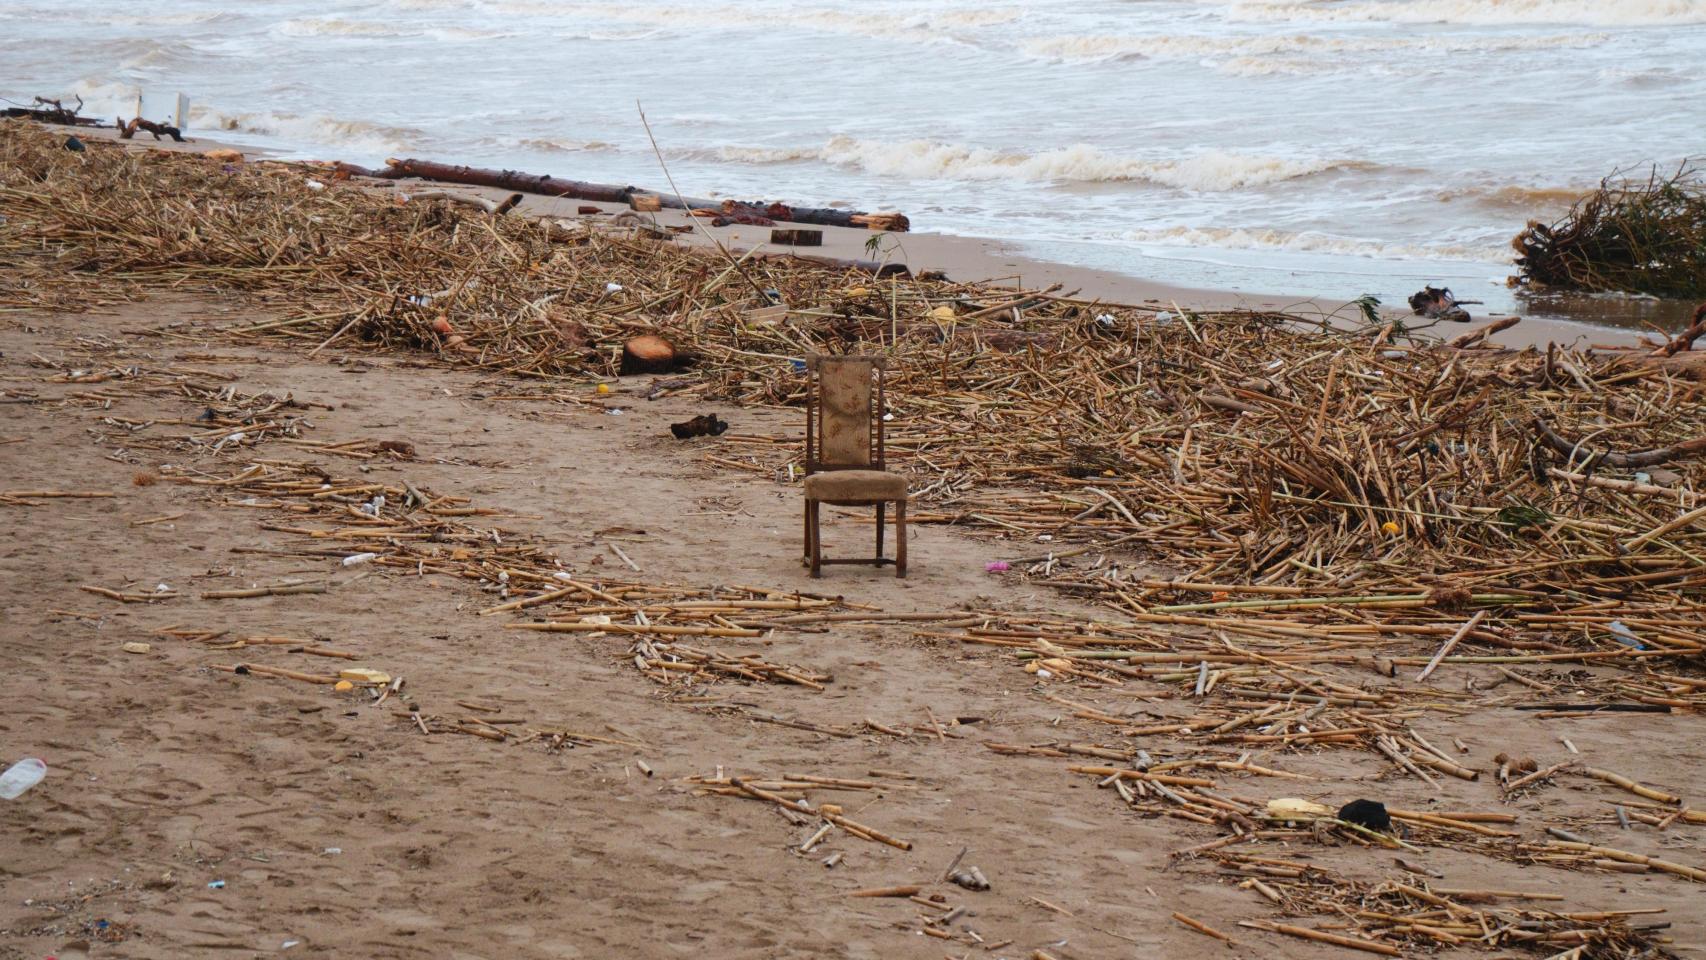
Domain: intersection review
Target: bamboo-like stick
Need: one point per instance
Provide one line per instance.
(1320, 936)
(1618, 780)
(656, 629)
(1203, 928)
(1664, 529)
(1451, 644)
(1624, 856)
(275, 590)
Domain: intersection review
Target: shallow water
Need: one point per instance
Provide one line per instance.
(1318, 147)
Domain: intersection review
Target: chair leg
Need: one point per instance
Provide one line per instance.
(806, 548)
(880, 508)
(900, 538)
(813, 521)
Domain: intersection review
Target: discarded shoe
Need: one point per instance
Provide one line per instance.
(704, 425)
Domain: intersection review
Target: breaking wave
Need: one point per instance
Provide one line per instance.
(373, 138)
(1519, 198)
(928, 160)
(1605, 13)
(549, 145)
(1242, 238)
(338, 27)
(1071, 49)
(930, 27)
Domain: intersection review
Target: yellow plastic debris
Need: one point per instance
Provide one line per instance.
(1291, 808)
(943, 312)
(135, 647)
(343, 686)
(364, 675)
(1391, 528)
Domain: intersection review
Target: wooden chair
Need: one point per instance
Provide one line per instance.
(844, 453)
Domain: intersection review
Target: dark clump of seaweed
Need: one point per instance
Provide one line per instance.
(1630, 235)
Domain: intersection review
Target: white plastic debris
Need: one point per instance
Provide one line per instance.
(316, 186)
(357, 559)
(21, 776)
(613, 288)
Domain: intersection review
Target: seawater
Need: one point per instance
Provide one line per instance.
(1316, 147)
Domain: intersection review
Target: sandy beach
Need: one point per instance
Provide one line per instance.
(188, 468)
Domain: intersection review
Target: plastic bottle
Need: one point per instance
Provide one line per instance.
(23, 775)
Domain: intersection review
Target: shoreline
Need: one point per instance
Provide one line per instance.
(993, 260)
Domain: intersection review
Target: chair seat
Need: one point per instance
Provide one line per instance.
(834, 486)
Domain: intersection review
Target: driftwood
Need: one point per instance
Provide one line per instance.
(495, 207)
(1632, 234)
(1644, 458)
(1685, 339)
(53, 111)
(1438, 303)
(608, 193)
(128, 130)
(797, 238)
(1473, 337)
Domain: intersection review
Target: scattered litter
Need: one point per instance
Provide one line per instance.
(704, 425)
(21, 776)
(1437, 303)
(1367, 813)
(971, 878)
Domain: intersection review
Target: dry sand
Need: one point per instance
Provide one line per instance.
(336, 826)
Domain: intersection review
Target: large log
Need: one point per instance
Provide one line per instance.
(648, 354)
(608, 193)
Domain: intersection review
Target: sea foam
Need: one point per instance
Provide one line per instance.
(1212, 170)
(1607, 13)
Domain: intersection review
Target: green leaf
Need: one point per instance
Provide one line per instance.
(1522, 515)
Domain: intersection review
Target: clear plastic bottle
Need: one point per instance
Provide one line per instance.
(23, 775)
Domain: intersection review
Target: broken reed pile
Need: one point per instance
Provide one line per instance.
(1629, 236)
(1330, 470)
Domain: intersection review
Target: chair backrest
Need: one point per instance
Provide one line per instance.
(844, 403)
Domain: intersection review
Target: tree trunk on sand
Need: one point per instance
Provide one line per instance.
(608, 193)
